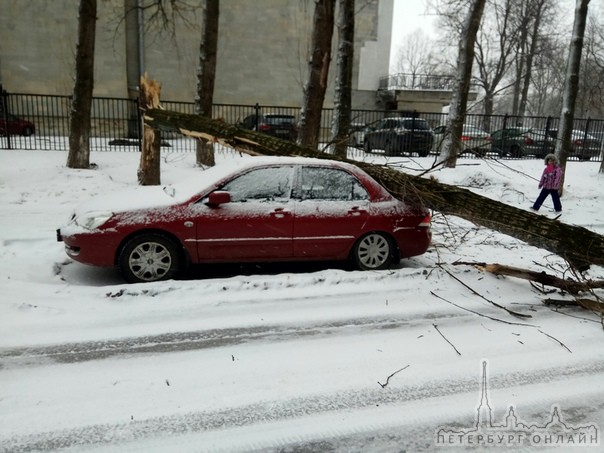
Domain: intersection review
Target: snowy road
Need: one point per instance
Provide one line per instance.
(302, 384)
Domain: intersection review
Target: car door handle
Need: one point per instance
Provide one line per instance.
(280, 213)
(356, 211)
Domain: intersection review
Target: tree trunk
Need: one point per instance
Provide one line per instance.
(459, 102)
(316, 84)
(149, 168)
(537, 12)
(579, 246)
(134, 69)
(79, 124)
(571, 86)
(206, 75)
(343, 97)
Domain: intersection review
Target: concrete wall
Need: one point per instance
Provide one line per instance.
(262, 55)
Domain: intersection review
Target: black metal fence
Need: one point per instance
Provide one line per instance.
(35, 121)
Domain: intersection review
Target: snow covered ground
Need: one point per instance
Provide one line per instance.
(290, 358)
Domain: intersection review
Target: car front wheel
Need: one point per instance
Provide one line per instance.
(373, 251)
(516, 152)
(148, 258)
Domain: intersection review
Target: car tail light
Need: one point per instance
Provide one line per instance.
(425, 223)
(528, 141)
(488, 138)
(263, 127)
(578, 142)
(465, 138)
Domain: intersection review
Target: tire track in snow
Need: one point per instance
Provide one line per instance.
(111, 435)
(188, 341)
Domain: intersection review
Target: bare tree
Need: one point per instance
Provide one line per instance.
(343, 96)
(206, 74)
(547, 76)
(571, 85)
(495, 48)
(316, 84)
(79, 124)
(459, 101)
(531, 17)
(416, 54)
(590, 98)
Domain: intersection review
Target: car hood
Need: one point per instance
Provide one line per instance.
(138, 198)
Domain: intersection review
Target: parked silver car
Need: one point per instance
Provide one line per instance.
(473, 140)
(584, 145)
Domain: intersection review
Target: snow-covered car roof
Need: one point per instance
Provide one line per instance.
(147, 197)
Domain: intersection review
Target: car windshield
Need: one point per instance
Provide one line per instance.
(472, 129)
(207, 179)
(415, 124)
(280, 119)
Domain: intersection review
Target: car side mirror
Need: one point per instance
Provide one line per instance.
(217, 198)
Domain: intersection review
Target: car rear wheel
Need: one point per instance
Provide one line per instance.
(149, 258)
(373, 251)
(423, 152)
(516, 152)
(390, 148)
(27, 132)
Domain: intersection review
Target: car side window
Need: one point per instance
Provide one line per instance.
(386, 124)
(263, 184)
(390, 124)
(319, 183)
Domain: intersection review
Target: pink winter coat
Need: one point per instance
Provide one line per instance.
(551, 177)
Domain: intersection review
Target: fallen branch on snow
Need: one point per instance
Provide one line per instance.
(570, 286)
(388, 378)
(446, 339)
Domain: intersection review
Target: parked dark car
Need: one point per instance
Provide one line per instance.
(520, 142)
(357, 134)
(584, 145)
(400, 136)
(275, 124)
(259, 209)
(16, 126)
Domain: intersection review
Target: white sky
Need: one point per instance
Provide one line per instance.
(409, 15)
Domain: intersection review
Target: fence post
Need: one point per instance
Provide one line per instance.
(4, 114)
(257, 117)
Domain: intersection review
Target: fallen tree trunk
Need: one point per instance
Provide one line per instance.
(579, 246)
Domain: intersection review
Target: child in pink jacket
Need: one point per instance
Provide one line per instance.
(550, 183)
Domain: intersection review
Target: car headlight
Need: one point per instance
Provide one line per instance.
(93, 220)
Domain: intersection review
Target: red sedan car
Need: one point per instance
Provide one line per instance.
(14, 125)
(258, 209)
